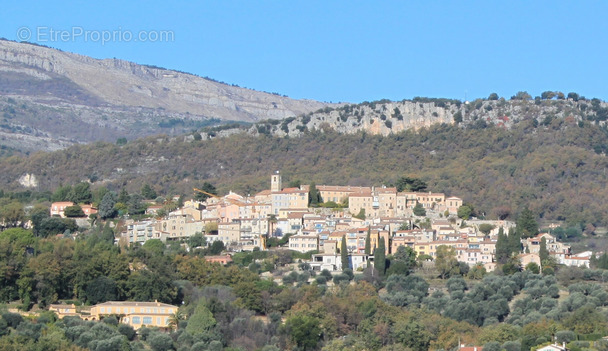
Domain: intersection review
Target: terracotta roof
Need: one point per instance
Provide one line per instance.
(134, 303)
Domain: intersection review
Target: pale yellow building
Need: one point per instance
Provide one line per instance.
(135, 314)
(63, 310)
(304, 243)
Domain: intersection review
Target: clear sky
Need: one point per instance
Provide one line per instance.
(341, 50)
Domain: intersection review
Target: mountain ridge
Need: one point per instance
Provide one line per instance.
(49, 78)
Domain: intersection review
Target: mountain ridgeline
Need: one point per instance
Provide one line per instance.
(385, 117)
(50, 99)
(501, 156)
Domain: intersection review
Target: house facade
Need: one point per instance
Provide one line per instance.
(135, 314)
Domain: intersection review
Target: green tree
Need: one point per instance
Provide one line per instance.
(101, 289)
(160, 342)
(123, 196)
(503, 250)
(380, 257)
(81, 193)
(413, 335)
(154, 246)
(147, 192)
(477, 272)
(512, 266)
(464, 212)
(457, 117)
(527, 226)
(55, 225)
(197, 240)
(514, 240)
(344, 254)
(547, 95)
(573, 96)
(12, 215)
(521, 95)
(486, 228)
(533, 267)
(305, 331)
(410, 184)
(493, 96)
(135, 206)
(406, 255)
(106, 207)
(314, 197)
(62, 193)
(206, 187)
(368, 242)
(402, 262)
(217, 247)
(543, 253)
(73, 211)
(419, 210)
(201, 320)
(446, 262)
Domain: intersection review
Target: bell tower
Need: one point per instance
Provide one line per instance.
(275, 182)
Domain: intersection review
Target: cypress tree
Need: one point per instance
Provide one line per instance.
(527, 226)
(344, 253)
(503, 251)
(543, 252)
(514, 240)
(380, 257)
(314, 197)
(368, 243)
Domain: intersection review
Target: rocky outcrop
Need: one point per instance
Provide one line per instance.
(386, 117)
(28, 181)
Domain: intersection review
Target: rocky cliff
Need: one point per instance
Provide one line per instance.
(386, 117)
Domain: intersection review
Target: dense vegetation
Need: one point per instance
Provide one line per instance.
(557, 170)
(403, 307)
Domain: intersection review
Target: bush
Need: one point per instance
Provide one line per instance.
(12, 319)
(127, 331)
(341, 278)
(321, 280)
(111, 320)
(565, 336)
(492, 346)
(160, 342)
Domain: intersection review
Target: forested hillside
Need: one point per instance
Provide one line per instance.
(558, 169)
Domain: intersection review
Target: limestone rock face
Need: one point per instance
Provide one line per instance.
(28, 181)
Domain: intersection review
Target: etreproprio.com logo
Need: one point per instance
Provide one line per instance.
(42, 34)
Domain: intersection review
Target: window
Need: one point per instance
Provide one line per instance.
(102, 310)
(147, 320)
(136, 320)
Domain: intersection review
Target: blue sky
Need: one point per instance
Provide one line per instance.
(344, 50)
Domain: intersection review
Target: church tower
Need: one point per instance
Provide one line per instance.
(275, 182)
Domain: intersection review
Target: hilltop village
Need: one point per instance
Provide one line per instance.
(422, 221)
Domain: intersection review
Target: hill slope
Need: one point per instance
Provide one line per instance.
(557, 167)
(73, 98)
